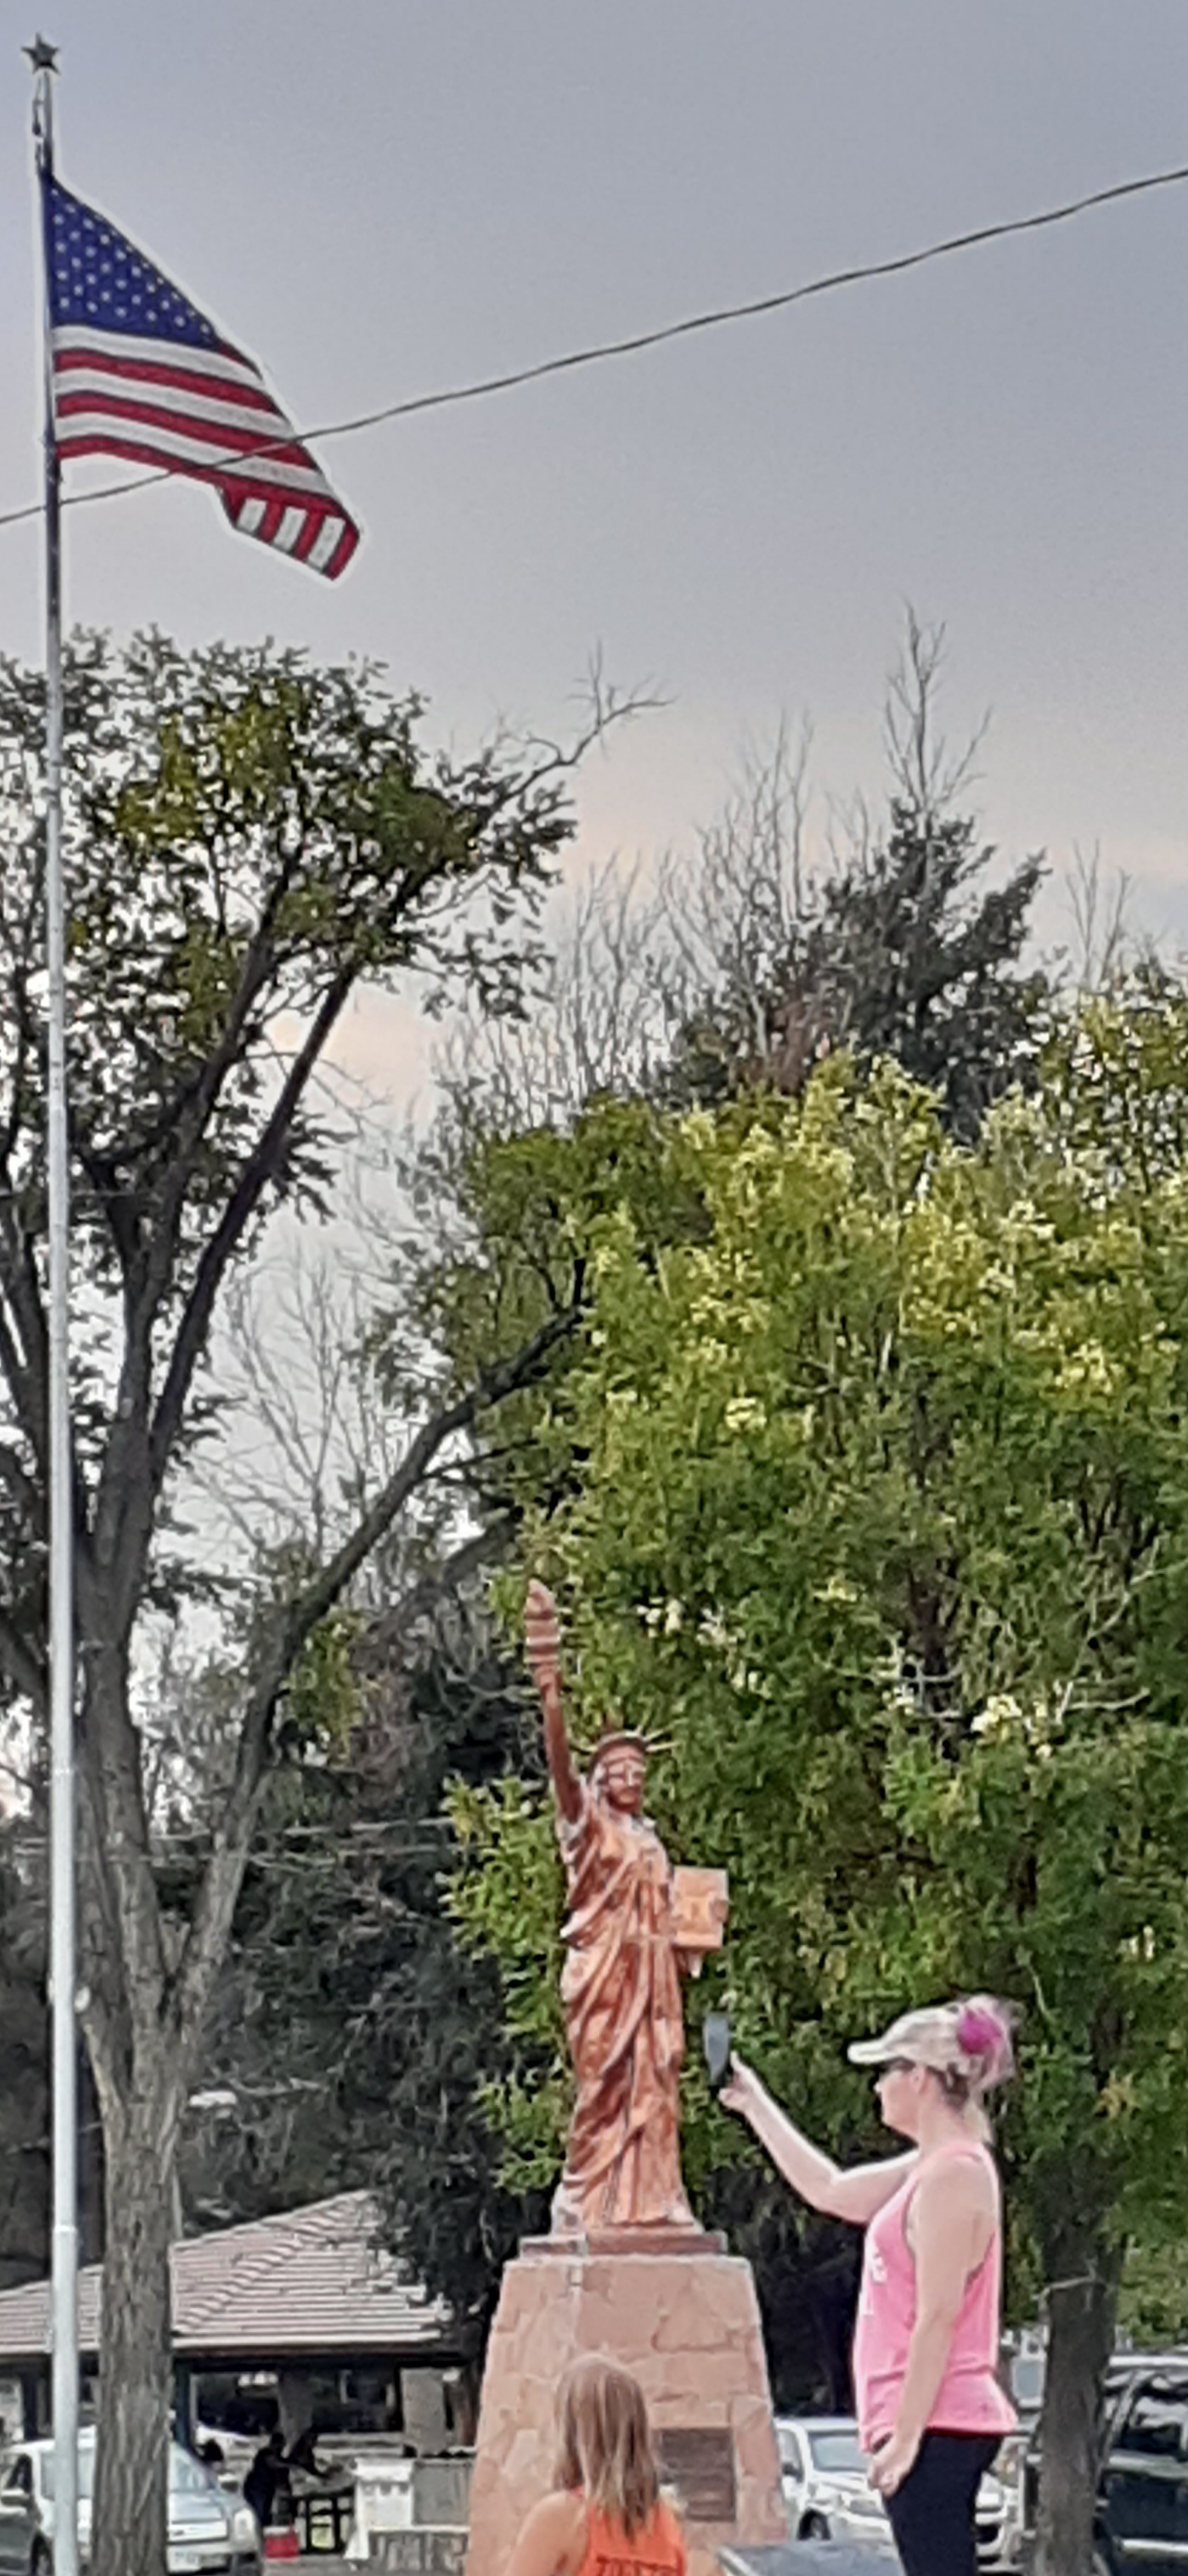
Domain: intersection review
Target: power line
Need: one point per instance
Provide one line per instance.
(27, 1842)
(634, 342)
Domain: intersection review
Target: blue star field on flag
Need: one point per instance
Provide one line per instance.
(139, 372)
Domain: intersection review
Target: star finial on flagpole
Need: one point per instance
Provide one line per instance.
(43, 56)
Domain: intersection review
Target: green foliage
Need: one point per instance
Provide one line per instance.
(880, 1528)
(1153, 2298)
(502, 1917)
(247, 837)
(507, 1225)
(361, 2042)
(322, 1698)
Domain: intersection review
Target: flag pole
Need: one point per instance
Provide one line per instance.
(64, 2285)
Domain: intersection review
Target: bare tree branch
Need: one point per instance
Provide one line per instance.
(385, 1634)
(930, 779)
(1105, 943)
(260, 1168)
(214, 1905)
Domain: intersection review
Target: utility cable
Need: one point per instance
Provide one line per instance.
(635, 341)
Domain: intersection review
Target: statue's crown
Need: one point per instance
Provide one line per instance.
(622, 1740)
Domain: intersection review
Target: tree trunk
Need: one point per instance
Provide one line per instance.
(1081, 2309)
(136, 2369)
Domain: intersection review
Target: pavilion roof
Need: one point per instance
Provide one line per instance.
(309, 2281)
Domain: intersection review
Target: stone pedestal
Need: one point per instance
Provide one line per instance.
(679, 2312)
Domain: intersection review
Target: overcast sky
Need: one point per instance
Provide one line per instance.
(378, 197)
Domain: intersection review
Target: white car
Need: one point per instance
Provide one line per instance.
(826, 2488)
(1000, 2508)
(209, 2533)
(829, 2496)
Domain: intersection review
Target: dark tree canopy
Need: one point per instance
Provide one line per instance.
(901, 950)
(353, 2031)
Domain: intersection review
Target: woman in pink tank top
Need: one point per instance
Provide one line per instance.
(931, 2411)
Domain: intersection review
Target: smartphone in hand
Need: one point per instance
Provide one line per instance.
(715, 2039)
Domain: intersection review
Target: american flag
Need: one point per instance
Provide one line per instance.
(139, 372)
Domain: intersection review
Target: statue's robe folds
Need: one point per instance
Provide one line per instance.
(621, 1988)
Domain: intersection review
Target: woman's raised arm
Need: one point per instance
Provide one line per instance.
(857, 2194)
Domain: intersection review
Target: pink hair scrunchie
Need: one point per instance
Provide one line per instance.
(983, 2034)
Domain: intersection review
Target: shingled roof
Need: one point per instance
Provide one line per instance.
(311, 2281)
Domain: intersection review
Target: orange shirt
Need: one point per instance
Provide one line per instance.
(657, 2550)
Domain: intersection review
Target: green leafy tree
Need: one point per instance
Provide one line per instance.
(877, 1521)
(352, 2032)
(249, 843)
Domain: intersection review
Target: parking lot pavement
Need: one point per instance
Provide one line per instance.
(810, 2558)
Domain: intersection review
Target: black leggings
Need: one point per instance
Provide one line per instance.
(932, 2513)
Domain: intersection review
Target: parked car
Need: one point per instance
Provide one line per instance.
(209, 2534)
(1001, 2509)
(1142, 2494)
(1142, 2489)
(826, 2488)
(829, 2496)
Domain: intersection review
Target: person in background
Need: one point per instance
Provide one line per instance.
(265, 2478)
(605, 2510)
(931, 2411)
(304, 2455)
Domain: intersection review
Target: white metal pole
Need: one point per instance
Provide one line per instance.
(61, 1483)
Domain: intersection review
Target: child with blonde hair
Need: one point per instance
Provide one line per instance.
(605, 2515)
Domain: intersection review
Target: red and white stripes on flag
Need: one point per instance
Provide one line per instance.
(206, 413)
(139, 373)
